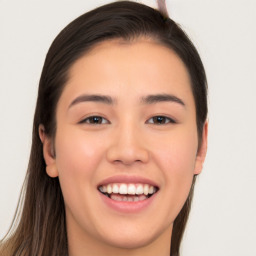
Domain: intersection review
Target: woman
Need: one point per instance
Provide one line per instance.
(119, 135)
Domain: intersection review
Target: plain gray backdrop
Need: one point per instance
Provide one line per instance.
(223, 217)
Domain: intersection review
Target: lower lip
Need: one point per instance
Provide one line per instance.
(128, 207)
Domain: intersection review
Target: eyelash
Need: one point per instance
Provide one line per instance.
(167, 120)
(94, 118)
(163, 120)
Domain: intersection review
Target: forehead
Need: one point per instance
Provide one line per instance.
(133, 68)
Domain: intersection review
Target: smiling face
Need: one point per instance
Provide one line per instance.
(125, 147)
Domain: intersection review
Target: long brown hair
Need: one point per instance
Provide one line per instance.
(39, 226)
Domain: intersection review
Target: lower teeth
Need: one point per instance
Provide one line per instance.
(127, 198)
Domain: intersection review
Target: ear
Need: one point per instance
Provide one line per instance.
(48, 152)
(201, 153)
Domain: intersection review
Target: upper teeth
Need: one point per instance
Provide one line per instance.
(130, 189)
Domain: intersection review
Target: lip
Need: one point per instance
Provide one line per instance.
(124, 206)
(128, 207)
(127, 179)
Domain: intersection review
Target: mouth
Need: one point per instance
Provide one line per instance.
(131, 192)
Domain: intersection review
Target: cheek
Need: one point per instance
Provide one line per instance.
(176, 159)
(77, 159)
(76, 153)
(177, 154)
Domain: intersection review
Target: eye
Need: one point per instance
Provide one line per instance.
(160, 120)
(94, 120)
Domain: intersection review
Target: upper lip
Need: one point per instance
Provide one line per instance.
(127, 179)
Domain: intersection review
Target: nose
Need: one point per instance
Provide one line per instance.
(128, 147)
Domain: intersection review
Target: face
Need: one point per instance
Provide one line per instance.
(126, 145)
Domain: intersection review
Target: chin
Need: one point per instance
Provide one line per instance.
(134, 239)
(131, 243)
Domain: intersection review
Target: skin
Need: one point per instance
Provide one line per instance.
(128, 142)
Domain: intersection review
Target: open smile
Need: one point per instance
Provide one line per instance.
(128, 192)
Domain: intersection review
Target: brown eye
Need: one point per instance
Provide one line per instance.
(95, 120)
(160, 120)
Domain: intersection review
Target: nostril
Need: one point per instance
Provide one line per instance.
(128, 155)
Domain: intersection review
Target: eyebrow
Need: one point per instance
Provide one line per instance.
(150, 99)
(92, 97)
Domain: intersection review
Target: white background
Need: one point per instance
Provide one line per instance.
(223, 217)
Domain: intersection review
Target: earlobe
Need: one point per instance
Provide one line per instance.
(201, 154)
(48, 152)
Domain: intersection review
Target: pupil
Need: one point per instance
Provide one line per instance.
(96, 119)
(159, 119)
